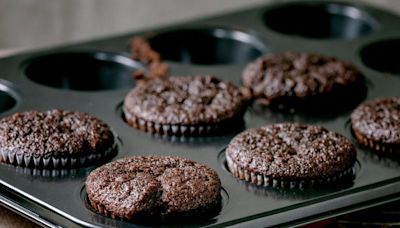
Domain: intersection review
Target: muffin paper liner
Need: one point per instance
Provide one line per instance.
(27, 160)
(387, 149)
(178, 129)
(46, 173)
(207, 211)
(264, 180)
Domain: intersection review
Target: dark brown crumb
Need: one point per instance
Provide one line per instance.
(142, 51)
(139, 75)
(158, 70)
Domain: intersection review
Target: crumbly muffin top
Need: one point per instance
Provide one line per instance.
(292, 151)
(298, 75)
(143, 184)
(54, 133)
(378, 120)
(184, 100)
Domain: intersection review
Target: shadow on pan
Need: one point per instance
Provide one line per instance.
(325, 107)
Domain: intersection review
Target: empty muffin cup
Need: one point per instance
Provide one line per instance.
(8, 96)
(320, 20)
(208, 46)
(91, 71)
(382, 56)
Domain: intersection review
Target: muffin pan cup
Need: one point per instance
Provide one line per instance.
(82, 70)
(207, 46)
(329, 20)
(55, 197)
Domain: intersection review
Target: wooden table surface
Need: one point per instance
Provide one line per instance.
(10, 219)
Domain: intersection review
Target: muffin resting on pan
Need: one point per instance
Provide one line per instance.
(291, 155)
(189, 106)
(156, 186)
(54, 139)
(302, 80)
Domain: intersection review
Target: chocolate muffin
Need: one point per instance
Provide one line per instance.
(184, 106)
(155, 186)
(54, 139)
(290, 155)
(376, 124)
(302, 80)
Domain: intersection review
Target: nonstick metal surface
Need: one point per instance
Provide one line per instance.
(94, 77)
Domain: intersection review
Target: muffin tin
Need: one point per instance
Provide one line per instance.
(95, 76)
